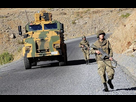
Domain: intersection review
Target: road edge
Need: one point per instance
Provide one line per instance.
(6, 67)
(127, 64)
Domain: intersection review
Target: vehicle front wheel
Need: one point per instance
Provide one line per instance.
(27, 63)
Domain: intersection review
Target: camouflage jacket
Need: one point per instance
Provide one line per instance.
(84, 43)
(105, 46)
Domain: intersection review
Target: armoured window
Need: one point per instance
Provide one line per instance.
(50, 26)
(35, 27)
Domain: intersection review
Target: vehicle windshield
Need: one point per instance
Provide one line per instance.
(35, 27)
(50, 26)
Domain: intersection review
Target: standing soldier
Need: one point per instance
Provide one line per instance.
(104, 65)
(85, 47)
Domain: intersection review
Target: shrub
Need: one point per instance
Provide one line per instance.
(73, 21)
(126, 15)
(6, 58)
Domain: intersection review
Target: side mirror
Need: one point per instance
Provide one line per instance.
(62, 28)
(20, 30)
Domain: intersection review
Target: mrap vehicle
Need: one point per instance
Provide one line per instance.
(43, 40)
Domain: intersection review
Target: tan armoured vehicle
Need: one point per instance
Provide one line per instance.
(43, 40)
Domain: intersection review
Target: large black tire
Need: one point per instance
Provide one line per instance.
(65, 55)
(27, 63)
(63, 58)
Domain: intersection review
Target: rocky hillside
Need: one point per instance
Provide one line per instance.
(124, 37)
(77, 22)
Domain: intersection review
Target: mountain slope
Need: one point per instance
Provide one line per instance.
(124, 35)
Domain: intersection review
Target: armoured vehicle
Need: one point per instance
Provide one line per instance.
(43, 40)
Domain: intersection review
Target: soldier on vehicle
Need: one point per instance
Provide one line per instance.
(104, 65)
(85, 47)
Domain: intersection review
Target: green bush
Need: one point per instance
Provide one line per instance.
(6, 58)
(73, 21)
(126, 15)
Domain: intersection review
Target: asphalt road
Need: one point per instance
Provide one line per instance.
(76, 78)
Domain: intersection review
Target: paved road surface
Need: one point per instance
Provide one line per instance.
(74, 79)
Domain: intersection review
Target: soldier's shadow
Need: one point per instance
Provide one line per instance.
(127, 89)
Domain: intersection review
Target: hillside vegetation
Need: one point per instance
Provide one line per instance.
(77, 22)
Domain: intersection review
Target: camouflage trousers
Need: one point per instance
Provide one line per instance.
(103, 67)
(86, 54)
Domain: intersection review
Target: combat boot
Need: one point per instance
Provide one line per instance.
(105, 87)
(86, 62)
(110, 84)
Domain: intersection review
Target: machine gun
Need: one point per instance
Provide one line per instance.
(104, 55)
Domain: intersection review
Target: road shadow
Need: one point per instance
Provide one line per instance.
(69, 63)
(79, 62)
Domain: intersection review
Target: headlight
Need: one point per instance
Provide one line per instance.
(28, 48)
(56, 45)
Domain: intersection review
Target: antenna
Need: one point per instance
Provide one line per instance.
(27, 16)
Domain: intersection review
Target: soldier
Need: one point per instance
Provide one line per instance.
(85, 47)
(104, 65)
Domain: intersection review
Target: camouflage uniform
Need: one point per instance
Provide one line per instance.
(85, 50)
(104, 64)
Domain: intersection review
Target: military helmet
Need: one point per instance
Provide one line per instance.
(83, 36)
(100, 32)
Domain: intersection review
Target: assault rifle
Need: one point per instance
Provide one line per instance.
(85, 48)
(104, 54)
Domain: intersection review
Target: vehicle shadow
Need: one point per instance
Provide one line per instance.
(69, 63)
